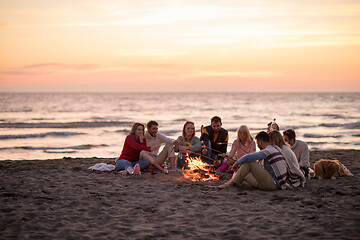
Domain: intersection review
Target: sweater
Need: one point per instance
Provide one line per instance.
(241, 150)
(157, 141)
(195, 144)
(296, 177)
(301, 151)
(132, 149)
(274, 163)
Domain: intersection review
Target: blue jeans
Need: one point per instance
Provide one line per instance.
(122, 164)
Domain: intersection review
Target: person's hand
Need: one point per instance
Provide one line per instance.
(176, 142)
(183, 149)
(217, 163)
(204, 151)
(235, 167)
(187, 144)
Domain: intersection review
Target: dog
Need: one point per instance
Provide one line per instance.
(326, 168)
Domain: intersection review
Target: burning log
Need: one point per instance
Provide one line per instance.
(199, 170)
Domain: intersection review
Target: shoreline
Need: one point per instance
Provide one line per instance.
(63, 199)
(316, 153)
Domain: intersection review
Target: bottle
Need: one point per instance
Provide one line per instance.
(166, 169)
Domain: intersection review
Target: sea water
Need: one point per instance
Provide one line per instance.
(57, 125)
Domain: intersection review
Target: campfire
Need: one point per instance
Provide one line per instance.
(198, 170)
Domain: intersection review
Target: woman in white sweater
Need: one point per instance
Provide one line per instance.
(296, 176)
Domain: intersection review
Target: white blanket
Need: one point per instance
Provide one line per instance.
(103, 167)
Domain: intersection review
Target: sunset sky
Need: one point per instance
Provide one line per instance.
(179, 46)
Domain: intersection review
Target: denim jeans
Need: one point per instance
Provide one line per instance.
(122, 164)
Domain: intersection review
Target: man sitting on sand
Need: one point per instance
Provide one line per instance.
(155, 139)
(300, 149)
(216, 140)
(271, 177)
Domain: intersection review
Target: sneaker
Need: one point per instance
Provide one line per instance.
(137, 169)
(123, 172)
(130, 170)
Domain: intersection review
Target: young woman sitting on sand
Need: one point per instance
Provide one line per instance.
(189, 144)
(135, 143)
(244, 144)
(296, 176)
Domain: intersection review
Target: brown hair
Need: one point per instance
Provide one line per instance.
(262, 136)
(183, 132)
(134, 127)
(151, 123)
(290, 133)
(273, 126)
(215, 119)
(277, 138)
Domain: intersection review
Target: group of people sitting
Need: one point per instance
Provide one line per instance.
(281, 163)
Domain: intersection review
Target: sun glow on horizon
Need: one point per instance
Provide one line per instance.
(126, 45)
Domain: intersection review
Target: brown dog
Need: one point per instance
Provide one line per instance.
(325, 168)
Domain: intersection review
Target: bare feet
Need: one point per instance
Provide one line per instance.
(225, 185)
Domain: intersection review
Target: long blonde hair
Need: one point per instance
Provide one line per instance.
(244, 128)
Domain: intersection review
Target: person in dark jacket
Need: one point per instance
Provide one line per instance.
(215, 140)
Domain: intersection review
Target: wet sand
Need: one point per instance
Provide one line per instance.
(63, 199)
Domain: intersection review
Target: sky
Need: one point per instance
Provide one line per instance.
(179, 46)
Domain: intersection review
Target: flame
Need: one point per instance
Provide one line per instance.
(198, 170)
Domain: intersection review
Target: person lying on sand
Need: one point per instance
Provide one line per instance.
(129, 161)
(272, 176)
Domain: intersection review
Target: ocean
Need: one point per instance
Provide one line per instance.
(57, 125)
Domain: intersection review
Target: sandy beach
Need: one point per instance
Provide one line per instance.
(63, 199)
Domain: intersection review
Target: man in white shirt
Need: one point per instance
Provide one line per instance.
(153, 138)
(300, 149)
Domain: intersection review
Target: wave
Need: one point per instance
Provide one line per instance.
(309, 135)
(333, 143)
(17, 110)
(39, 135)
(123, 131)
(355, 125)
(170, 132)
(93, 124)
(49, 149)
(180, 120)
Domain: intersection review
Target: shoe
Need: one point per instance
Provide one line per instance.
(123, 172)
(130, 170)
(137, 169)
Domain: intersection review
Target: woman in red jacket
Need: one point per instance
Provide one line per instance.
(129, 160)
